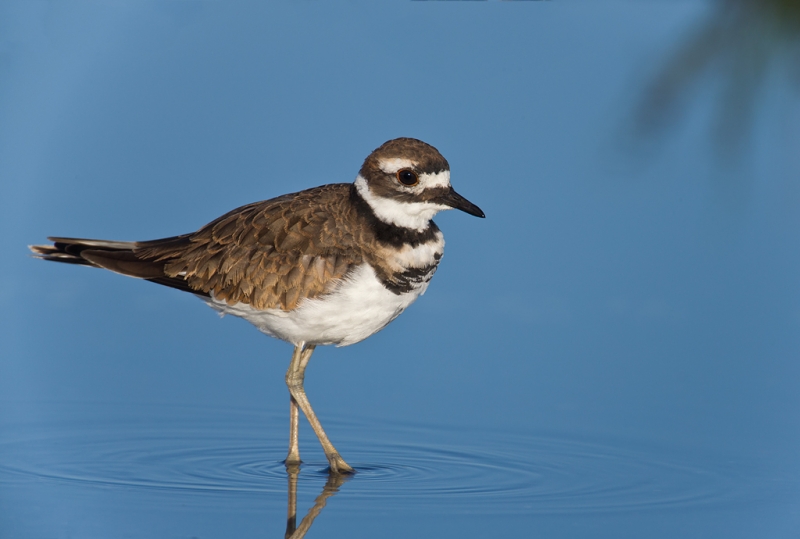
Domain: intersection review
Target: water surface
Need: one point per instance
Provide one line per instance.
(189, 458)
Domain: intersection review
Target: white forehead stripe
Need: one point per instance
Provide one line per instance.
(390, 166)
(413, 215)
(440, 179)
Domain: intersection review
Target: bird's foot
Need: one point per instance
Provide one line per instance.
(293, 460)
(338, 465)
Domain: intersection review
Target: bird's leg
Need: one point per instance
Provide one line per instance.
(294, 380)
(293, 458)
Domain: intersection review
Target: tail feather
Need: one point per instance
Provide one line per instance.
(117, 256)
(68, 250)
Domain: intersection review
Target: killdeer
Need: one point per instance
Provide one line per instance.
(329, 265)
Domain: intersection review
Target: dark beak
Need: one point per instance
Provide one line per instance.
(454, 200)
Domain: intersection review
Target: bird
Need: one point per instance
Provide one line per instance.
(330, 265)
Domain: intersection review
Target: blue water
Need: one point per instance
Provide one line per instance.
(421, 467)
(106, 470)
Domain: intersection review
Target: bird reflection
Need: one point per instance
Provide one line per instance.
(742, 41)
(331, 487)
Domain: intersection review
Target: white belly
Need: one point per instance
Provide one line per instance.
(360, 307)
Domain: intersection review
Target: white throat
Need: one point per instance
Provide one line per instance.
(413, 215)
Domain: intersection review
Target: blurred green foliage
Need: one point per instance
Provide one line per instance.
(741, 43)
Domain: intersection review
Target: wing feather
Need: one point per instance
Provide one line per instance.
(270, 254)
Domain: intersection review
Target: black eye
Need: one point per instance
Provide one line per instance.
(407, 177)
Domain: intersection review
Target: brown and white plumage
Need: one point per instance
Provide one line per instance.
(328, 265)
(268, 254)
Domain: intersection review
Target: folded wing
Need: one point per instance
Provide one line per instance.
(270, 254)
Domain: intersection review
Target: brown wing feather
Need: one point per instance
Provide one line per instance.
(269, 254)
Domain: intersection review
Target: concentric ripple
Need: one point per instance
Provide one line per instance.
(398, 467)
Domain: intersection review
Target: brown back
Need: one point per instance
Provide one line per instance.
(268, 254)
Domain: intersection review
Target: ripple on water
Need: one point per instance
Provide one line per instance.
(398, 467)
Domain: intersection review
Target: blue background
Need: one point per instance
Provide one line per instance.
(634, 283)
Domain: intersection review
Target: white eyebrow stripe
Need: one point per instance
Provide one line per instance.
(439, 179)
(392, 165)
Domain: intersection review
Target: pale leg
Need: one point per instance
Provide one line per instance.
(293, 458)
(294, 380)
